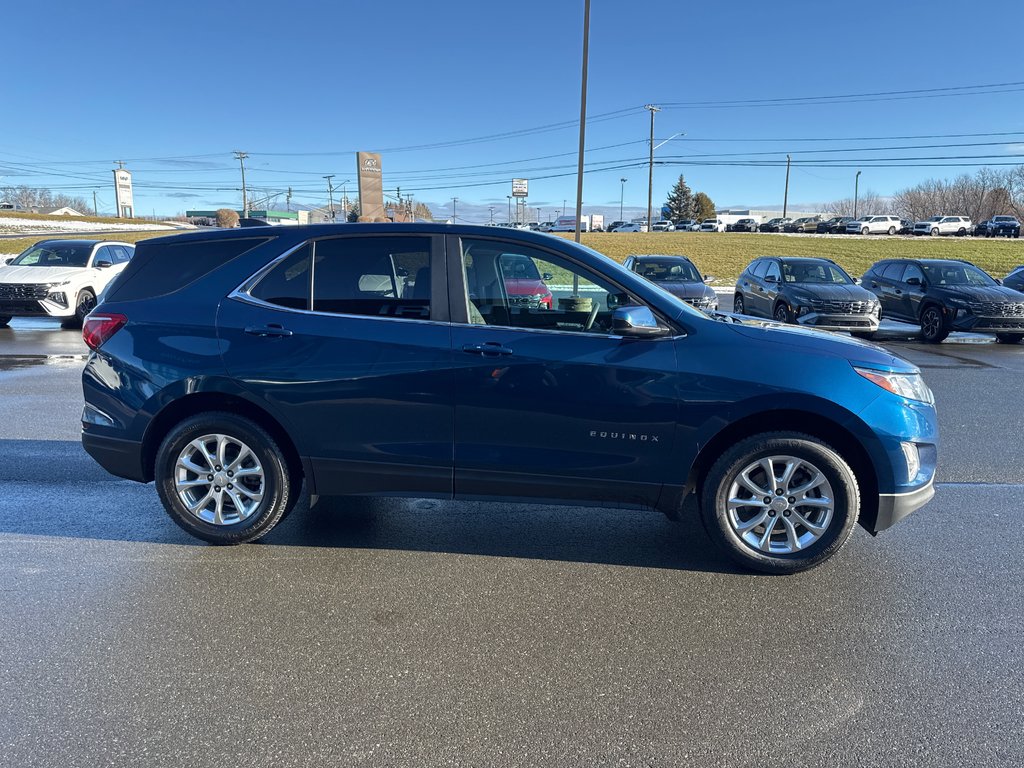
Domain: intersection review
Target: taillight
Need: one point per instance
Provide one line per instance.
(98, 328)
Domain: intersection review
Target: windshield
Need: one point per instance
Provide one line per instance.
(55, 255)
(517, 267)
(668, 271)
(934, 218)
(814, 272)
(956, 274)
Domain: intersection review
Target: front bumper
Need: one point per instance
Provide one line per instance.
(893, 507)
(851, 322)
(981, 324)
(34, 308)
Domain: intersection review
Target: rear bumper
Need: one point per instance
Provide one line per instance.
(122, 458)
(893, 507)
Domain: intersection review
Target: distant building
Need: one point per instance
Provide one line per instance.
(64, 211)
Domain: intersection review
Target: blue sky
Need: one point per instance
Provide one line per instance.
(174, 88)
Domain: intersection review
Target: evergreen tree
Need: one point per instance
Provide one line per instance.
(353, 212)
(680, 201)
(703, 207)
(421, 211)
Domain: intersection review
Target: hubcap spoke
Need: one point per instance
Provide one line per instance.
(791, 535)
(752, 523)
(766, 537)
(750, 485)
(787, 474)
(811, 484)
(817, 530)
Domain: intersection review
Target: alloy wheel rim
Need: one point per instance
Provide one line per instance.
(219, 480)
(86, 305)
(780, 505)
(930, 323)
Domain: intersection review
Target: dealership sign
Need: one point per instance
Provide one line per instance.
(371, 186)
(123, 194)
(520, 187)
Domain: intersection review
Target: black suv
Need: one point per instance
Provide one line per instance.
(677, 275)
(946, 295)
(834, 226)
(743, 225)
(808, 291)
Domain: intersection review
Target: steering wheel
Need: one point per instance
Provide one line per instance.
(592, 317)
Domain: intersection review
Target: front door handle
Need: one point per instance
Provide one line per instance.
(899, 292)
(271, 329)
(490, 349)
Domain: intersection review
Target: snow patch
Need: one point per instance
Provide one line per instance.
(12, 225)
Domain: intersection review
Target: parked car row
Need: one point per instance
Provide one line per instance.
(940, 295)
(875, 224)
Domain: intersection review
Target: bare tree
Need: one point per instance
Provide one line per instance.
(31, 197)
(867, 204)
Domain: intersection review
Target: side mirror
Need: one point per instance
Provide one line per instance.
(709, 279)
(103, 264)
(999, 280)
(9, 259)
(856, 281)
(636, 322)
(546, 276)
(771, 279)
(913, 281)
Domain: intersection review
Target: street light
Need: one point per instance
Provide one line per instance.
(330, 194)
(622, 192)
(856, 186)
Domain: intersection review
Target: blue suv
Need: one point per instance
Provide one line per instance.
(376, 359)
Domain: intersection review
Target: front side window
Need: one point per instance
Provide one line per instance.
(773, 271)
(814, 272)
(668, 271)
(513, 285)
(913, 271)
(760, 268)
(373, 276)
(956, 274)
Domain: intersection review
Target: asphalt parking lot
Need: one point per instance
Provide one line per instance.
(420, 633)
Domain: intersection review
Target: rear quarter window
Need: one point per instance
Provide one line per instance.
(158, 269)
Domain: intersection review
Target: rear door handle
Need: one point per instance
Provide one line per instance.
(271, 329)
(490, 349)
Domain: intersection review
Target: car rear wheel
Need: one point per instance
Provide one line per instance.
(223, 478)
(737, 305)
(782, 314)
(933, 324)
(1010, 338)
(892, 230)
(780, 502)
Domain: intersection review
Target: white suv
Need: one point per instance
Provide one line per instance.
(663, 225)
(874, 225)
(60, 278)
(712, 225)
(943, 225)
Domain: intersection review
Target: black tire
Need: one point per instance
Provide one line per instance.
(781, 313)
(84, 304)
(961, 232)
(892, 231)
(4, 320)
(865, 231)
(280, 489)
(934, 328)
(737, 304)
(934, 232)
(863, 334)
(715, 494)
(1009, 338)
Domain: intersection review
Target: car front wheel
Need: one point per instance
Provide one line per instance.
(780, 502)
(782, 313)
(223, 478)
(933, 325)
(737, 305)
(85, 304)
(865, 231)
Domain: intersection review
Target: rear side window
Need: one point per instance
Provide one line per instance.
(894, 271)
(373, 276)
(288, 283)
(158, 269)
(759, 268)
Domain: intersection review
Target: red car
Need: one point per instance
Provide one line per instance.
(524, 284)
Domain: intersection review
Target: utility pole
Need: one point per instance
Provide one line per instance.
(583, 127)
(240, 156)
(95, 208)
(288, 199)
(622, 194)
(650, 166)
(785, 195)
(856, 185)
(491, 211)
(120, 164)
(509, 208)
(330, 195)
(454, 201)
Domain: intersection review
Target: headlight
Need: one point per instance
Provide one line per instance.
(908, 385)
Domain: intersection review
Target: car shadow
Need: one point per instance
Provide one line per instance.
(53, 488)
